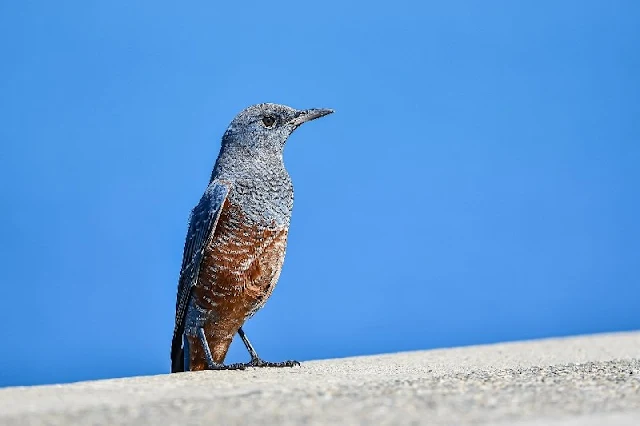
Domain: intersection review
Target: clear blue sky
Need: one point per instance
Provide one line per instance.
(479, 181)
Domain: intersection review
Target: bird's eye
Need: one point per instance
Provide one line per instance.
(268, 121)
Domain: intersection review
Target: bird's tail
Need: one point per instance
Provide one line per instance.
(177, 356)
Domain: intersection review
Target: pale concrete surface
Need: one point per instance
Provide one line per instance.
(590, 380)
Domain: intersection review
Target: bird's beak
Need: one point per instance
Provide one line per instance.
(308, 115)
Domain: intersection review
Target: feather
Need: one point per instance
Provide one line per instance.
(202, 224)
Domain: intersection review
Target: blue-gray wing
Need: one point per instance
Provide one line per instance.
(202, 224)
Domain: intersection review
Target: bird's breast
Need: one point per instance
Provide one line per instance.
(241, 264)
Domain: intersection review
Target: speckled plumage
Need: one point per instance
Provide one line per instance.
(237, 237)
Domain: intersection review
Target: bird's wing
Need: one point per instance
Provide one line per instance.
(202, 223)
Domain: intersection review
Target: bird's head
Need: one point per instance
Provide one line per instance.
(267, 126)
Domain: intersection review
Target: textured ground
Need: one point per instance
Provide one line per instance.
(582, 381)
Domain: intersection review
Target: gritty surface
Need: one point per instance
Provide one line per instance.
(580, 380)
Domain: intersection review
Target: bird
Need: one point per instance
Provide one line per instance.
(236, 239)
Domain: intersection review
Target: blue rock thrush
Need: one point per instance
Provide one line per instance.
(236, 240)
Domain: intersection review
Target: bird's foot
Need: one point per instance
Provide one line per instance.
(258, 362)
(216, 366)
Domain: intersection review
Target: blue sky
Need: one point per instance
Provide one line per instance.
(479, 181)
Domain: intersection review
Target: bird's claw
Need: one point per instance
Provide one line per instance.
(237, 366)
(257, 362)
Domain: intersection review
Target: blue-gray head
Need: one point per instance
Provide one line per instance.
(267, 126)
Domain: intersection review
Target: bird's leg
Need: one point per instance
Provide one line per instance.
(256, 361)
(207, 353)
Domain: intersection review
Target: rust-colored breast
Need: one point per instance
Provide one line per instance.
(240, 268)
